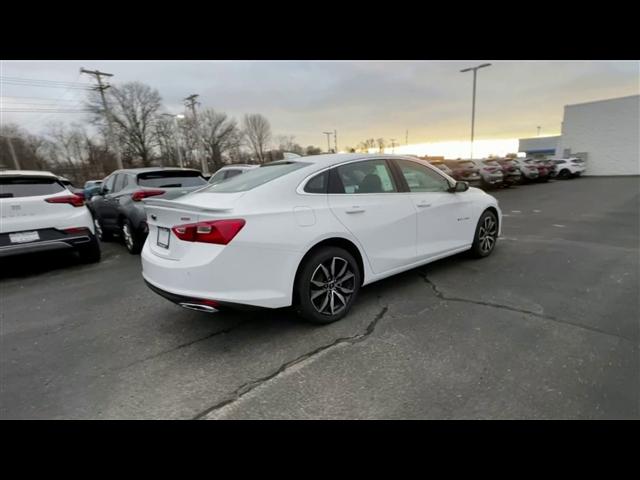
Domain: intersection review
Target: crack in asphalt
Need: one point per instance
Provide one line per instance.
(253, 384)
(182, 345)
(441, 295)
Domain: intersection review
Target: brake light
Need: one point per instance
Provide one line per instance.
(74, 200)
(140, 194)
(220, 232)
(76, 230)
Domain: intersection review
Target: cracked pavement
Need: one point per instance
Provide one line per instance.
(547, 327)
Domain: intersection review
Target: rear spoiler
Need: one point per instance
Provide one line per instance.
(171, 204)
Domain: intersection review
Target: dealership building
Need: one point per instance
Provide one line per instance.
(604, 133)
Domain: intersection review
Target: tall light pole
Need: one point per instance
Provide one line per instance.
(328, 134)
(175, 121)
(473, 105)
(538, 131)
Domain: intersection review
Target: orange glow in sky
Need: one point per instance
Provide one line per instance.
(457, 149)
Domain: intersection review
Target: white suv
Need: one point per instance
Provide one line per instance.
(569, 167)
(38, 213)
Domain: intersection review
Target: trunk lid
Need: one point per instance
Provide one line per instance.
(164, 214)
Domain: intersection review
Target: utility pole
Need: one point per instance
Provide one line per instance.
(335, 140)
(101, 88)
(406, 139)
(16, 163)
(393, 144)
(190, 102)
(473, 105)
(328, 134)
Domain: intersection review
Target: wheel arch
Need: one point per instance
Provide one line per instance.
(341, 242)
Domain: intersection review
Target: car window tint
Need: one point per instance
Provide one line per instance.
(369, 176)
(119, 182)
(421, 178)
(318, 184)
(109, 183)
(231, 173)
(23, 186)
(171, 179)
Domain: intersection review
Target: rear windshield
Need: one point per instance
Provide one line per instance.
(256, 177)
(171, 179)
(22, 186)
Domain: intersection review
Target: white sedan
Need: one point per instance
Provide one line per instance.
(38, 213)
(310, 232)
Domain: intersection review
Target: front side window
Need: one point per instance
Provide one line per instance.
(369, 176)
(119, 183)
(108, 185)
(421, 178)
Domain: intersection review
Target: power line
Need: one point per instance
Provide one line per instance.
(101, 88)
(43, 83)
(42, 110)
(51, 99)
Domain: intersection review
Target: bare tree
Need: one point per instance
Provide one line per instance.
(380, 142)
(133, 106)
(257, 131)
(219, 135)
(287, 144)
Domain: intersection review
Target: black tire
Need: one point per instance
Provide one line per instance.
(133, 240)
(90, 252)
(332, 295)
(102, 234)
(564, 174)
(486, 235)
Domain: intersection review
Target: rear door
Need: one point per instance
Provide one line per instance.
(372, 208)
(444, 219)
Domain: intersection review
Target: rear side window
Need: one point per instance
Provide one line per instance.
(256, 177)
(318, 184)
(171, 179)
(22, 186)
(369, 176)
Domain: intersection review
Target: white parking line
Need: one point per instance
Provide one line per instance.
(559, 226)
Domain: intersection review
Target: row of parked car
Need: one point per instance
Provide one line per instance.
(497, 172)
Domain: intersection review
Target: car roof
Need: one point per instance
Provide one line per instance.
(31, 173)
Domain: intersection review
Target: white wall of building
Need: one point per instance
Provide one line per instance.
(608, 131)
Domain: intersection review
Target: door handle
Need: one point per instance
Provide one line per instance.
(355, 209)
(424, 205)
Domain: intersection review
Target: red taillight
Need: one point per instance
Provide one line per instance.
(220, 232)
(140, 194)
(74, 200)
(76, 230)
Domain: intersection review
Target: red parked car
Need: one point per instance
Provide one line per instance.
(544, 172)
(510, 171)
(465, 170)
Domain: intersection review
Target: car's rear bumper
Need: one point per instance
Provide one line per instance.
(236, 274)
(50, 239)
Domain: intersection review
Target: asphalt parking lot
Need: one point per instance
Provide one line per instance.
(547, 327)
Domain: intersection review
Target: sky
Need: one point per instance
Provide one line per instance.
(360, 99)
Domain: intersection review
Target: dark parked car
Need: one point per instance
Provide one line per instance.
(118, 208)
(91, 187)
(465, 170)
(71, 187)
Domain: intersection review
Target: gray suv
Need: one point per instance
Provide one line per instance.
(118, 209)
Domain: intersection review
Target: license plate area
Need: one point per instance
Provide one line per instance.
(24, 237)
(164, 234)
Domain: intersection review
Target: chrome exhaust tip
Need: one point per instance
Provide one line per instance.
(198, 307)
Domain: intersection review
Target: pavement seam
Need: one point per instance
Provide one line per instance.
(253, 384)
(441, 295)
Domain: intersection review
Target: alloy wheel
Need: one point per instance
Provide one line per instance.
(128, 238)
(98, 228)
(332, 286)
(487, 234)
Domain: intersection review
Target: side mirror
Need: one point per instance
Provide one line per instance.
(459, 187)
